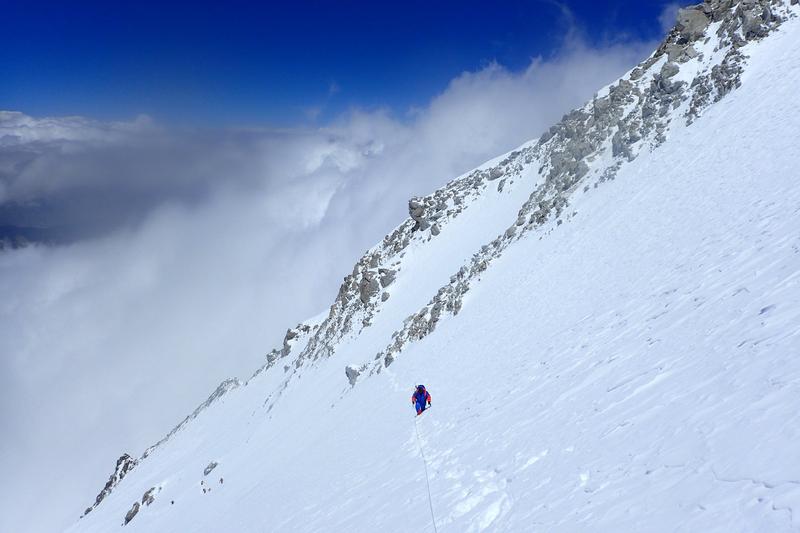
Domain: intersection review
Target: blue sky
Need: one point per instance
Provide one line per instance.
(282, 63)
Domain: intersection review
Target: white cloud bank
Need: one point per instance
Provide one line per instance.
(206, 246)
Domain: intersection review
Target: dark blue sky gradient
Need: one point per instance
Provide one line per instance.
(262, 63)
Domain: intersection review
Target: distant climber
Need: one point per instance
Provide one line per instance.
(421, 400)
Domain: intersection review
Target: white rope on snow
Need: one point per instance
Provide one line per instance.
(427, 479)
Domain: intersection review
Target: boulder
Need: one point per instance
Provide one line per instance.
(581, 170)
(495, 173)
(677, 53)
(387, 276)
(131, 513)
(669, 70)
(147, 497)
(637, 73)
(579, 149)
(753, 25)
(368, 287)
(211, 466)
(619, 146)
(352, 374)
(416, 210)
(600, 106)
(287, 339)
(692, 23)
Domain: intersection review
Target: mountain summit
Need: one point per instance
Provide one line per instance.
(608, 318)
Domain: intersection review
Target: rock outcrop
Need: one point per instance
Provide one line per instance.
(353, 372)
(124, 465)
(369, 286)
(387, 276)
(149, 496)
(134, 510)
(208, 469)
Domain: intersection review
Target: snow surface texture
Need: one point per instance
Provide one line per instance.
(629, 364)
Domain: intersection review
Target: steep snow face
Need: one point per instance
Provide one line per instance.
(623, 359)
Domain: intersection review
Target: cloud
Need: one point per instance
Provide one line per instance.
(669, 16)
(17, 128)
(196, 249)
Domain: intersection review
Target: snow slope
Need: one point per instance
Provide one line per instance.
(630, 367)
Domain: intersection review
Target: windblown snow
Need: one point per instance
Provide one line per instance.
(630, 364)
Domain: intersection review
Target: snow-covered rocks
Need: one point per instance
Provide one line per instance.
(147, 499)
(149, 496)
(353, 372)
(124, 465)
(387, 276)
(369, 286)
(134, 510)
(210, 468)
(416, 210)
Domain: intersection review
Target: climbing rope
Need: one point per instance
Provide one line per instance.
(427, 479)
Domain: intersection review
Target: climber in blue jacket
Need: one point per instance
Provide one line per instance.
(420, 398)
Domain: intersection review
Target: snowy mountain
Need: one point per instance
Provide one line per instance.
(607, 319)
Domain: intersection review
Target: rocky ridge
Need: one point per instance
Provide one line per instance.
(588, 146)
(632, 115)
(125, 464)
(698, 63)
